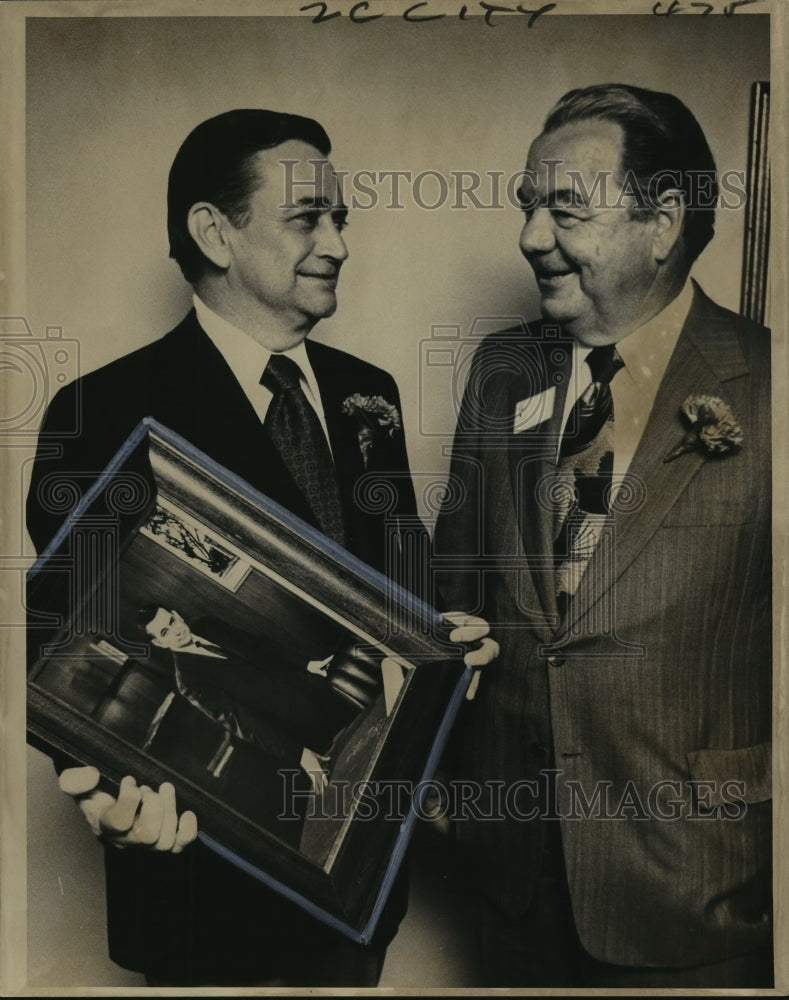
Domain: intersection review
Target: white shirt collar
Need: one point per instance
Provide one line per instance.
(198, 646)
(247, 358)
(646, 351)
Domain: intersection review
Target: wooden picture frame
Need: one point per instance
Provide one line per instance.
(101, 693)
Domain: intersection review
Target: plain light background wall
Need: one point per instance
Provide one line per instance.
(109, 100)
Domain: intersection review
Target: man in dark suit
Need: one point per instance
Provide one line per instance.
(255, 219)
(616, 535)
(247, 684)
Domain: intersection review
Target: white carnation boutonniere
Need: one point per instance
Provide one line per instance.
(375, 417)
(713, 428)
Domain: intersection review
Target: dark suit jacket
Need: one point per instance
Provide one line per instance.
(660, 672)
(183, 382)
(279, 709)
(194, 915)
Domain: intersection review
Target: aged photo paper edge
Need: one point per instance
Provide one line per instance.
(12, 303)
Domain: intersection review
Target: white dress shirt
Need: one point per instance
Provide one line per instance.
(247, 359)
(646, 353)
(199, 647)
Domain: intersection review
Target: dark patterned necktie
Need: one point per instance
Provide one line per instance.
(296, 432)
(584, 474)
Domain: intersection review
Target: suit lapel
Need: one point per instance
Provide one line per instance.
(532, 461)
(223, 422)
(706, 356)
(335, 387)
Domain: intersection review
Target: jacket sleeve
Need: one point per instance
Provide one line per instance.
(57, 455)
(84, 426)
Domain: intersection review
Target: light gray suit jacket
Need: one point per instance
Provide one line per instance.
(642, 718)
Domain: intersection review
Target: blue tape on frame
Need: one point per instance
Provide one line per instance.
(132, 442)
(433, 759)
(295, 897)
(362, 570)
(370, 575)
(398, 852)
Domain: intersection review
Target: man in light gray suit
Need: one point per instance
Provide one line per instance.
(615, 532)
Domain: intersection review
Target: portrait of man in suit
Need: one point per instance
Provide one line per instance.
(255, 218)
(247, 685)
(615, 532)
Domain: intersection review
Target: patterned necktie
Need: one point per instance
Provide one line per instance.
(584, 474)
(296, 432)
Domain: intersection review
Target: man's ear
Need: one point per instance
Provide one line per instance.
(669, 218)
(208, 227)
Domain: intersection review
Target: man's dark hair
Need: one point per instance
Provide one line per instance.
(664, 147)
(146, 615)
(216, 164)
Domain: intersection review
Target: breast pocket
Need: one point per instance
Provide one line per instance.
(724, 490)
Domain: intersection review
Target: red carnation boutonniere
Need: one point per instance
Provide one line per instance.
(713, 428)
(375, 417)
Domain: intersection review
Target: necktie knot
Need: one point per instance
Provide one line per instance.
(295, 430)
(210, 646)
(604, 363)
(281, 374)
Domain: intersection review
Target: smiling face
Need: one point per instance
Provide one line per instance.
(168, 630)
(593, 259)
(284, 264)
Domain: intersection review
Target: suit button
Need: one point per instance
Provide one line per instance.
(556, 661)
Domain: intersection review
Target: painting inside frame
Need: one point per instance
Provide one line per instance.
(185, 628)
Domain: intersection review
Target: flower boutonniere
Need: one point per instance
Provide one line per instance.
(713, 428)
(375, 417)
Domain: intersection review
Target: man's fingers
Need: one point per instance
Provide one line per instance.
(120, 817)
(78, 780)
(93, 807)
(469, 633)
(486, 653)
(187, 831)
(138, 816)
(473, 629)
(320, 666)
(148, 825)
(463, 618)
(169, 825)
(471, 690)
(468, 628)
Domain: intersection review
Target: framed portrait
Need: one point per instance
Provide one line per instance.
(432, 108)
(185, 628)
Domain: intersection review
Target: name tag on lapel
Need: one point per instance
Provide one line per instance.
(533, 410)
